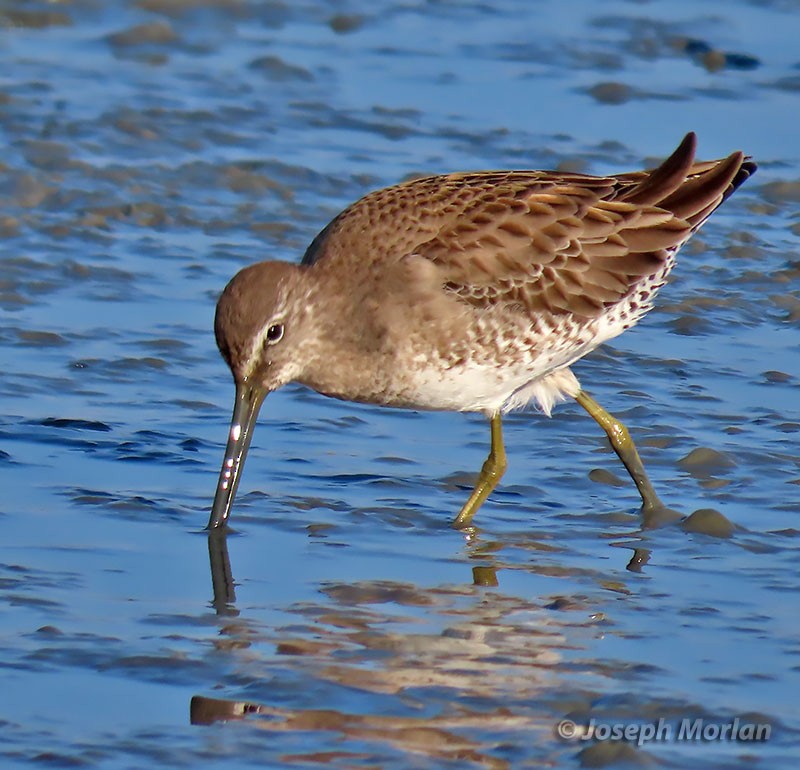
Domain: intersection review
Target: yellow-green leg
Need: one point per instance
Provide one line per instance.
(623, 445)
(491, 473)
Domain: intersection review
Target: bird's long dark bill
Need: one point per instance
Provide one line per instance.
(243, 423)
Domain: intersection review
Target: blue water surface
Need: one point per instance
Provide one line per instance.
(153, 148)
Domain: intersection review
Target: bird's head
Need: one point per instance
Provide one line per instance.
(259, 326)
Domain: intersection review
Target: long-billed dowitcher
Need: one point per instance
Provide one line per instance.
(472, 292)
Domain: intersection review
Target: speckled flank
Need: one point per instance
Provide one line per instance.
(471, 292)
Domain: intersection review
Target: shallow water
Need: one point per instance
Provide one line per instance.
(153, 148)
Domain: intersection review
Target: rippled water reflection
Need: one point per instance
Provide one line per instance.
(151, 149)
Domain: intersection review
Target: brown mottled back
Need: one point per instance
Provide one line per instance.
(541, 241)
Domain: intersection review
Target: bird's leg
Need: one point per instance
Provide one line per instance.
(491, 473)
(623, 445)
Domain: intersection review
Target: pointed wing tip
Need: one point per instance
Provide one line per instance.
(688, 144)
(665, 179)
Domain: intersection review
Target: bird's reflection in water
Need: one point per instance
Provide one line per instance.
(221, 573)
(387, 638)
(480, 664)
(441, 738)
(641, 556)
(485, 576)
(207, 711)
(704, 521)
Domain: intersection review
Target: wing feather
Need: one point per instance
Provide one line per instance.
(543, 241)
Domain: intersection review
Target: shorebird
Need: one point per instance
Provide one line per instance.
(471, 292)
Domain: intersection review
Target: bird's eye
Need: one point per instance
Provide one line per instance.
(274, 334)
